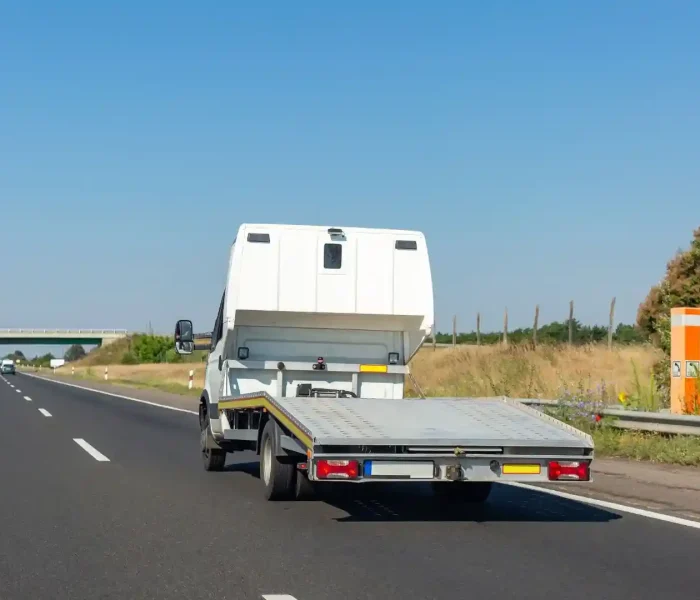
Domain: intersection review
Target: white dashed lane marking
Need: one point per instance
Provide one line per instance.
(27, 398)
(44, 412)
(96, 454)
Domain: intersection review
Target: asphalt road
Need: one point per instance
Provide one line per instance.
(146, 521)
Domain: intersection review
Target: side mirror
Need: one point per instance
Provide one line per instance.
(184, 337)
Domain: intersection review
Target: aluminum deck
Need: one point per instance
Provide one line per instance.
(424, 422)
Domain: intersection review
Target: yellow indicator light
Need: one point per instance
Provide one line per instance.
(522, 469)
(373, 368)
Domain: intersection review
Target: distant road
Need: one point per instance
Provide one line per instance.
(105, 498)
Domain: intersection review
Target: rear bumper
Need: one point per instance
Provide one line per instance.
(450, 469)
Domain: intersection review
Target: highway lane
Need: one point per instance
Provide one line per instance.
(151, 523)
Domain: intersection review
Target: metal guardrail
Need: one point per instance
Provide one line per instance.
(656, 422)
(65, 331)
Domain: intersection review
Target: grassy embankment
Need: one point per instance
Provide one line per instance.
(588, 372)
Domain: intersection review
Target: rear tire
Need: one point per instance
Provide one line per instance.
(277, 477)
(474, 492)
(213, 459)
(303, 488)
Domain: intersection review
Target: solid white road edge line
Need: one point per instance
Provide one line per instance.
(611, 505)
(44, 412)
(82, 387)
(27, 398)
(278, 597)
(96, 454)
(601, 503)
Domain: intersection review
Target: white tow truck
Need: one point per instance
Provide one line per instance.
(306, 366)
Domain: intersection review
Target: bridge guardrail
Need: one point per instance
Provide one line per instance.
(62, 331)
(655, 422)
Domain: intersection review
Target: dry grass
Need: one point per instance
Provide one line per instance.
(520, 371)
(524, 372)
(170, 377)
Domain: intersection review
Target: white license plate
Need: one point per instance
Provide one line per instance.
(398, 470)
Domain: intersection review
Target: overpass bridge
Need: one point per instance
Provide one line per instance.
(55, 337)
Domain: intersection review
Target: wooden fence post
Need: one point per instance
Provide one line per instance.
(478, 329)
(434, 337)
(505, 328)
(611, 324)
(454, 331)
(535, 325)
(571, 323)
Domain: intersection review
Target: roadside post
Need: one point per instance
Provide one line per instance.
(685, 360)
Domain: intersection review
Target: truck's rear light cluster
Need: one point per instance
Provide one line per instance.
(569, 470)
(337, 469)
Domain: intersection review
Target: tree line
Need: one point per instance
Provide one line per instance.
(553, 333)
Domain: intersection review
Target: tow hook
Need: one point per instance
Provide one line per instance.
(453, 472)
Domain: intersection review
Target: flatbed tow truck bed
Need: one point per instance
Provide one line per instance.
(491, 439)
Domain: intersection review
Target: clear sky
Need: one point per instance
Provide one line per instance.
(548, 150)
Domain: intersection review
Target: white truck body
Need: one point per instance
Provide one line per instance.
(309, 354)
(283, 304)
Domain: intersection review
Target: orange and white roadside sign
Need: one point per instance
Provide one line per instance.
(685, 359)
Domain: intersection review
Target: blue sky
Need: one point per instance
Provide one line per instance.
(548, 150)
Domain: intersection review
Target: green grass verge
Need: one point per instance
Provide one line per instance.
(653, 447)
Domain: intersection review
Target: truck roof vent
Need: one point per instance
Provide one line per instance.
(259, 238)
(406, 245)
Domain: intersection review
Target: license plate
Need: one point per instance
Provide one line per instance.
(521, 469)
(385, 469)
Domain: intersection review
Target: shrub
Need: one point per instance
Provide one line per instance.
(171, 356)
(129, 358)
(680, 287)
(150, 348)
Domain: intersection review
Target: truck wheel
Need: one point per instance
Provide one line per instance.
(475, 492)
(213, 459)
(303, 488)
(277, 477)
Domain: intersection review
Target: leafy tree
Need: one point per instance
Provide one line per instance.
(43, 361)
(75, 352)
(150, 348)
(680, 287)
(629, 334)
(16, 355)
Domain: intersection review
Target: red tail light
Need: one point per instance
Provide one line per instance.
(337, 469)
(570, 470)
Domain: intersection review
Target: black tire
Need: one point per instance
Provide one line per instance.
(303, 488)
(277, 477)
(474, 492)
(213, 459)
